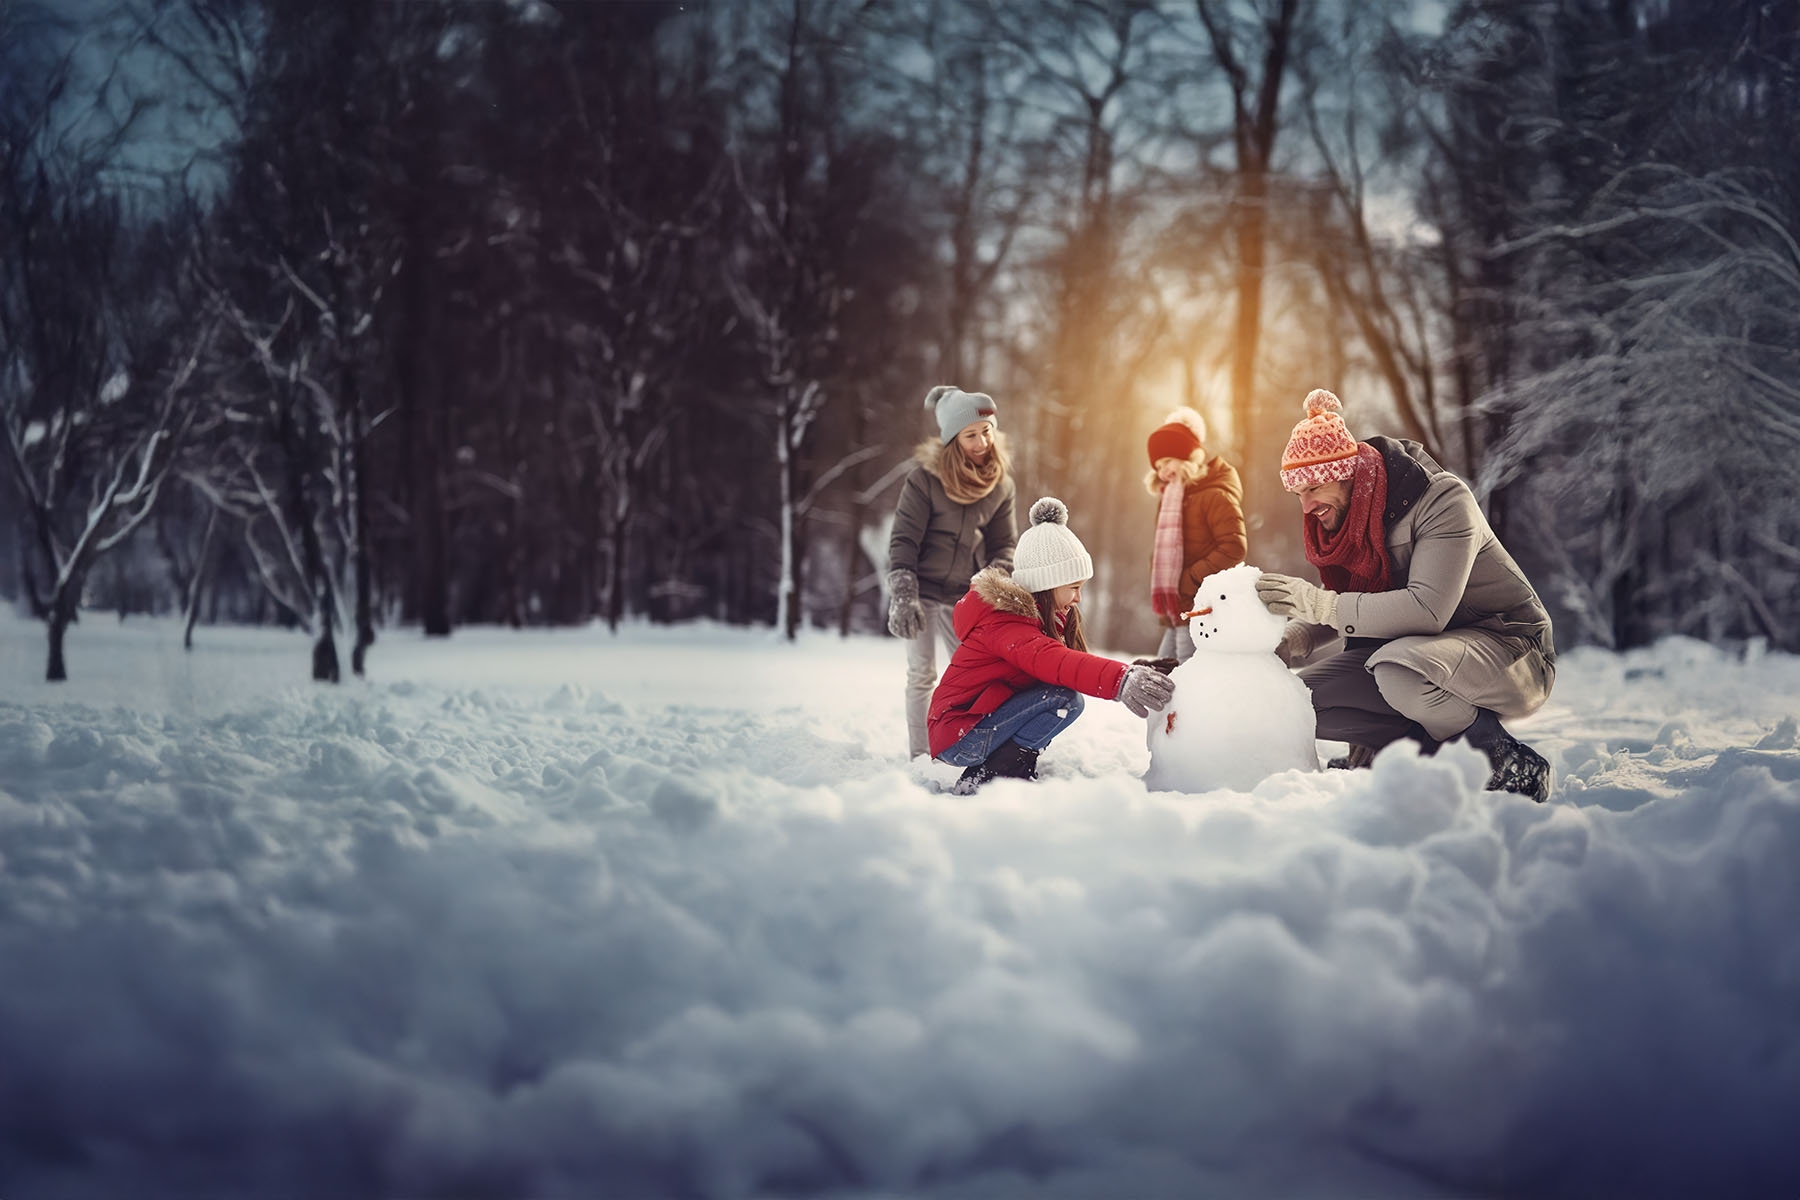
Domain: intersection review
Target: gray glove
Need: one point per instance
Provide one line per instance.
(1290, 596)
(1145, 690)
(906, 616)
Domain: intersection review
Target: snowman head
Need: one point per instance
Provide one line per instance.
(1229, 618)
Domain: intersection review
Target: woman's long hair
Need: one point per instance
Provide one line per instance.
(1071, 636)
(963, 481)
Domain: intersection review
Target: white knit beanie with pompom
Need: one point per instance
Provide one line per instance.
(1048, 554)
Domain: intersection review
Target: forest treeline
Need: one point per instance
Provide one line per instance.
(361, 315)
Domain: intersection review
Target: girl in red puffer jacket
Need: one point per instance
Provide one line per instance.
(1017, 678)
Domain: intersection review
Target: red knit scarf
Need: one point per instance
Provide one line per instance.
(1355, 558)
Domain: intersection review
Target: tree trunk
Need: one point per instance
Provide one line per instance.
(422, 384)
(791, 550)
(1252, 246)
(196, 582)
(57, 671)
(325, 655)
(431, 564)
(852, 546)
(786, 587)
(364, 599)
(615, 574)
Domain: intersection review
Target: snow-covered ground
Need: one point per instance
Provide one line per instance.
(668, 915)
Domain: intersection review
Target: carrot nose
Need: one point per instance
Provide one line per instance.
(1198, 612)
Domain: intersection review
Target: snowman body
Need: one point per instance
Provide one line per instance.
(1238, 715)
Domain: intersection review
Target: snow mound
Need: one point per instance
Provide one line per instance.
(445, 933)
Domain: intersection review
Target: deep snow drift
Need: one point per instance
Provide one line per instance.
(559, 914)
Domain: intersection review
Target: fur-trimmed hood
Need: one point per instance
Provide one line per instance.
(997, 589)
(927, 454)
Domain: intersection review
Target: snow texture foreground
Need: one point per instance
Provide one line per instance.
(668, 915)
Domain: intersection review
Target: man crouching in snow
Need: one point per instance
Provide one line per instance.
(1443, 633)
(1016, 680)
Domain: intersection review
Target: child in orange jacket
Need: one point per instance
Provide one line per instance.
(1199, 524)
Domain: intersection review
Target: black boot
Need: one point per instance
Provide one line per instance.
(1357, 759)
(1517, 767)
(1008, 760)
(1013, 761)
(1428, 745)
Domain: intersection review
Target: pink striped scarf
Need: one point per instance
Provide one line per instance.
(1165, 559)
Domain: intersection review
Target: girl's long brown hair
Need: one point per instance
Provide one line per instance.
(964, 482)
(1072, 636)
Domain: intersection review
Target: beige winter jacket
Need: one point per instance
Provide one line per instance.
(1461, 612)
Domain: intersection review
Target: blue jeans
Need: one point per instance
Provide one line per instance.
(1031, 718)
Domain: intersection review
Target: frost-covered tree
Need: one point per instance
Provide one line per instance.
(95, 363)
(1617, 183)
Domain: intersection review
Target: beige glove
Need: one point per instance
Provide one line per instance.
(1289, 596)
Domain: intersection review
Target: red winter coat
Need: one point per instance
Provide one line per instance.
(1004, 651)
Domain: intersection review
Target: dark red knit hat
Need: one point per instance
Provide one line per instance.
(1179, 437)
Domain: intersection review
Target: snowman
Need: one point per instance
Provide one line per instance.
(1238, 715)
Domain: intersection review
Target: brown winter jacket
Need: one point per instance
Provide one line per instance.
(944, 543)
(1460, 612)
(1212, 528)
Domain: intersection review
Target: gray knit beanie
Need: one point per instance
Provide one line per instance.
(956, 409)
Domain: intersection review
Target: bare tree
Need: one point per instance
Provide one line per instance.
(1680, 411)
(94, 395)
(1252, 44)
(1379, 271)
(1616, 182)
(1096, 84)
(785, 276)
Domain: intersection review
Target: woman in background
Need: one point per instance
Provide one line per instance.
(955, 517)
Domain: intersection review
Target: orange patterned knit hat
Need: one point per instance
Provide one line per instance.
(1320, 448)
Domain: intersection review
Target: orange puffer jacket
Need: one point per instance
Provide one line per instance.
(1212, 527)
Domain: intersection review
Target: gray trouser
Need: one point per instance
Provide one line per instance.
(922, 673)
(1374, 706)
(1177, 643)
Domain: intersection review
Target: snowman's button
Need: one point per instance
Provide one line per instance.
(1349, 629)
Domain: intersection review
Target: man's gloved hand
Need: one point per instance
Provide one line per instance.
(1163, 665)
(1294, 645)
(906, 616)
(1145, 690)
(1289, 596)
